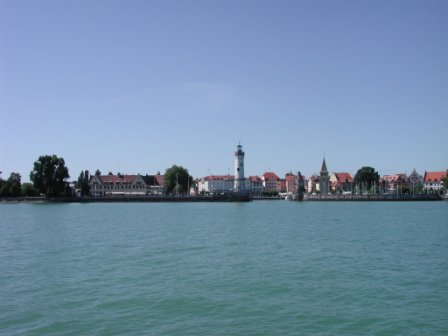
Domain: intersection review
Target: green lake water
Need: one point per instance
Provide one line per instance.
(259, 268)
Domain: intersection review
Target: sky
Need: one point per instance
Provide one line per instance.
(137, 86)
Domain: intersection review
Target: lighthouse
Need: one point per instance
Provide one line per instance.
(239, 184)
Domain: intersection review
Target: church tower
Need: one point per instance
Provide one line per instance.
(239, 169)
(324, 180)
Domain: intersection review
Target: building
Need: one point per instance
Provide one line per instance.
(282, 185)
(155, 184)
(112, 185)
(255, 185)
(432, 181)
(415, 178)
(291, 183)
(312, 184)
(324, 179)
(239, 183)
(216, 184)
(271, 182)
(415, 182)
(341, 182)
(392, 183)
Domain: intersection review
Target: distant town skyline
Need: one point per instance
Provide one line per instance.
(135, 87)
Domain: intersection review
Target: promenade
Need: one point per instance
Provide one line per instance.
(353, 197)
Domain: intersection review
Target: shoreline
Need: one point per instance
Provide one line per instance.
(370, 198)
(221, 198)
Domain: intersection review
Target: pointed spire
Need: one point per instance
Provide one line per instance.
(324, 167)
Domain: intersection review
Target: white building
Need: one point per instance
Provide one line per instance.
(433, 181)
(312, 184)
(216, 183)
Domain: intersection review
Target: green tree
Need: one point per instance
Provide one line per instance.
(404, 189)
(177, 179)
(270, 193)
(2, 186)
(83, 183)
(97, 172)
(28, 189)
(12, 186)
(366, 178)
(49, 175)
(445, 183)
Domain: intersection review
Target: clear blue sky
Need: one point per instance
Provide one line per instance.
(136, 86)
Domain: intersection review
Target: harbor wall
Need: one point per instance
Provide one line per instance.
(329, 198)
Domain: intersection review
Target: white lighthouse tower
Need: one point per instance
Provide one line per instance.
(239, 169)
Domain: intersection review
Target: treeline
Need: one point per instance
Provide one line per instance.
(13, 187)
(49, 177)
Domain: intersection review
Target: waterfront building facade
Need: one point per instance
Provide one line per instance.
(312, 184)
(291, 183)
(155, 184)
(271, 182)
(341, 182)
(282, 185)
(216, 184)
(256, 185)
(415, 178)
(432, 181)
(114, 185)
(394, 182)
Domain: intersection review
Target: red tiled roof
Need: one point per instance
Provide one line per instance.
(435, 176)
(343, 177)
(219, 177)
(255, 178)
(393, 178)
(270, 176)
(290, 178)
(160, 179)
(154, 180)
(116, 178)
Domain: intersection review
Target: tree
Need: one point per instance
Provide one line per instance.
(2, 186)
(445, 183)
(83, 183)
(177, 179)
(49, 175)
(97, 172)
(270, 193)
(404, 189)
(366, 177)
(28, 189)
(12, 186)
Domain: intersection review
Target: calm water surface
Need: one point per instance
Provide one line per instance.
(260, 268)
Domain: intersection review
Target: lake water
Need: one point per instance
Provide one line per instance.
(260, 268)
